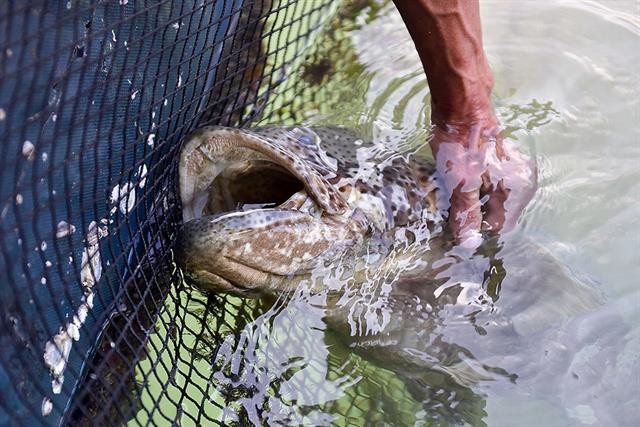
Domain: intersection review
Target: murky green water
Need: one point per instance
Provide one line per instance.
(541, 328)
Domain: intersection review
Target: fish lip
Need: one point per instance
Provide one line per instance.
(219, 282)
(246, 290)
(222, 284)
(205, 265)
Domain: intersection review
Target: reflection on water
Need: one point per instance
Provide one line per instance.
(425, 337)
(537, 328)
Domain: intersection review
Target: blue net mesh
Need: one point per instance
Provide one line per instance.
(95, 97)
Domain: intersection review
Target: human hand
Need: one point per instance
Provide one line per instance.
(488, 180)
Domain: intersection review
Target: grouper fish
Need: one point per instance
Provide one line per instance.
(276, 209)
(264, 208)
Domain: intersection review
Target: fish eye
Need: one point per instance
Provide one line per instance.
(305, 139)
(304, 136)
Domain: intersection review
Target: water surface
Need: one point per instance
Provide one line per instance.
(539, 328)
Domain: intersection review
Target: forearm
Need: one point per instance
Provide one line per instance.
(448, 38)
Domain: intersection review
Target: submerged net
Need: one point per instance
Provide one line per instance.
(95, 97)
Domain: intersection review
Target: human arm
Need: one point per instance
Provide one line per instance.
(488, 180)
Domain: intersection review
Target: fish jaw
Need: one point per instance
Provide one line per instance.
(250, 252)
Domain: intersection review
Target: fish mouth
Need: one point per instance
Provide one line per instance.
(248, 252)
(256, 215)
(226, 169)
(250, 184)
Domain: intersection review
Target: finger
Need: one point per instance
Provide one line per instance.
(523, 191)
(494, 214)
(505, 204)
(465, 216)
(515, 204)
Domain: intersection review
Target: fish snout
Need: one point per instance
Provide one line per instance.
(264, 249)
(204, 253)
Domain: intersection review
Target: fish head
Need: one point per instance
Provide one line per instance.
(258, 209)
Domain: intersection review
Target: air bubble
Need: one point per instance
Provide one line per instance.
(28, 149)
(47, 404)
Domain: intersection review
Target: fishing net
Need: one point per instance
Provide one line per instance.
(95, 96)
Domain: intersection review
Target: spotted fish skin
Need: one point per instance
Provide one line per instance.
(393, 189)
(355, 192)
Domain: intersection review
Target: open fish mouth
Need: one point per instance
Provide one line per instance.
(243, 185)
(255, 213)
(224, 169)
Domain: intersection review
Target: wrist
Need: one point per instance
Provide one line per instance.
(469, 130)
(464, 118)
(466, 102)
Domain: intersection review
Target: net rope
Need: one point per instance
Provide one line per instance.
(95, 97)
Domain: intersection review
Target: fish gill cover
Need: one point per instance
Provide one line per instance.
(95, 97)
